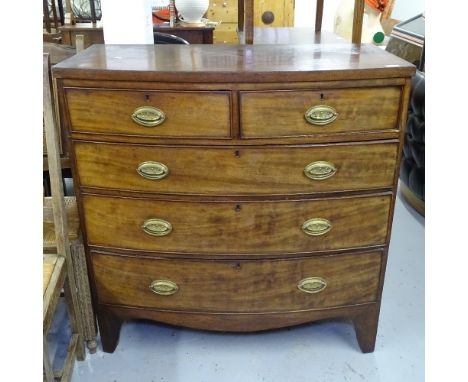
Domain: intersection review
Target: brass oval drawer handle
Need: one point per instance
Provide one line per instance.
(321, 115)
(157, 227)
(320, 170)
(312, 285)
(153, 170)
(316, 226)
(148, 116)
(164, 287)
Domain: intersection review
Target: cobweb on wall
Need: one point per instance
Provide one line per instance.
(81, 8)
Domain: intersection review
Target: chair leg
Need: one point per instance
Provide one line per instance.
(87, 316)
(70, 360)
(47, 367)
(92, 346)
(73, 314)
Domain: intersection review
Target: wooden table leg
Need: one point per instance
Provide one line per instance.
(357, 21)
(240, 15)
(319, 16)
(249, 22)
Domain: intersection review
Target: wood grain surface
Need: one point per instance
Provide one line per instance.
(188, 114)
(281, 113)
(234, 322)
(235, 170)
(121, 84)
(242, 227)
(234, 63)
(237, 286)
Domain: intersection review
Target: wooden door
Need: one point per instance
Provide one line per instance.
(274, 13)
(226, 12)
(267, 13)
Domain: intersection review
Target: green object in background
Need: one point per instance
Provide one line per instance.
(378, 37)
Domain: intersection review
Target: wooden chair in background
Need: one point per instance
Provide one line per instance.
(59, 210)
(246, 20)
(59, 52)
(58, 270)
(57, 20)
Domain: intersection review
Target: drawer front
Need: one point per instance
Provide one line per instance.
(236, 170)
(172, 114)
(237, 286)
(283, 113)
(236, 227)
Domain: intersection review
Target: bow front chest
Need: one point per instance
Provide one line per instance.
(235, 188)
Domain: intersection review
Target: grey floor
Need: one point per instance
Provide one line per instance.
(320, 352)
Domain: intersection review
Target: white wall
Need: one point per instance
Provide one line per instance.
(304, 13)
(138, 25)
(405, 9)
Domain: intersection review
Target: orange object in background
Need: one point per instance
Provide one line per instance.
(378, 5)
(162, 16)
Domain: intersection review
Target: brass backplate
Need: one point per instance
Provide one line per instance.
(321, 115)
(152, 170)
(312, 285)
(316, 226)
(148, 116)
(320, 170)
(157, 227)
(164, 287)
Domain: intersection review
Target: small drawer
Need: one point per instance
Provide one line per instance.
(244, 227)
(279, 113)
(236, 170)
(237, 286)
(150, 113)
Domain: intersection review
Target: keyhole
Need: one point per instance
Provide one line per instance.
(237, 154)
(147, 97)
(322, 97)
(237, 208)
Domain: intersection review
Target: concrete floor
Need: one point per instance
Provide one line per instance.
(320, 352)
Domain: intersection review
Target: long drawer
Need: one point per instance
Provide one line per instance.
(192, 114)
(237, 286)
(280, 113)
(236, 227)
(236, 170)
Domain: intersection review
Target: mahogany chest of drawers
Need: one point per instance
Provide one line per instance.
(235, 188)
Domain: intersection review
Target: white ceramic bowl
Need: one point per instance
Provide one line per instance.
(192, 10)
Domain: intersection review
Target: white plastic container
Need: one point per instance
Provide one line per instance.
(372, 31)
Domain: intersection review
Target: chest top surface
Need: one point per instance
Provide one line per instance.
(233, 63)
